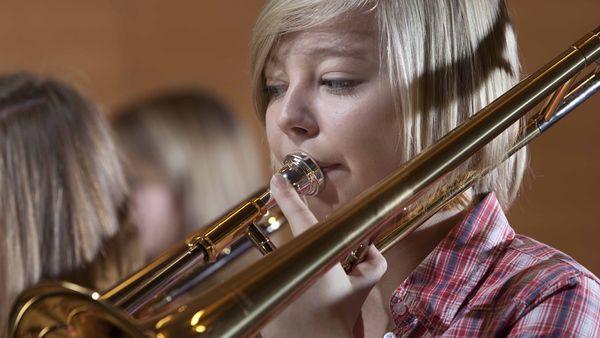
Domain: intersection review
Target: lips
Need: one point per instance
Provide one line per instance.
(328, 167)
(325, 166)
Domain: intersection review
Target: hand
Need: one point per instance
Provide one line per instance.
(299, 217)
(332, 306)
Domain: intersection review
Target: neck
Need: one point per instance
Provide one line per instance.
(406, 255)
(402, 259)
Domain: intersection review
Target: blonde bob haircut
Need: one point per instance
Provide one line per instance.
(445, 60)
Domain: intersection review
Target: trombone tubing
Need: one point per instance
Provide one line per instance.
(242, 305)
(583, 90)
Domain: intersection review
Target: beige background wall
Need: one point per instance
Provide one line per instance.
(119, 50)
(559, 202)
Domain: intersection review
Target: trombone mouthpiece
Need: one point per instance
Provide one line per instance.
(303, 173)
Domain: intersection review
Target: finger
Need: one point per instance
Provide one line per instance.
(293, 207)
(367, 273)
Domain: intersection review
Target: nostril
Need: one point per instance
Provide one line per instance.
(299, 130)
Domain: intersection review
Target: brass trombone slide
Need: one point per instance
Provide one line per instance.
(206, 245)
(243, 304)
(563, 101)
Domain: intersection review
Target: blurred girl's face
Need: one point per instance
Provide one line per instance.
(156, 214)
(329, 97)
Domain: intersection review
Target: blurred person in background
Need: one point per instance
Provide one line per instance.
(189, 159)
(63, 194)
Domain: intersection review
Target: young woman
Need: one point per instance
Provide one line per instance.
(62, 191)
(184, 154)
(365, 85)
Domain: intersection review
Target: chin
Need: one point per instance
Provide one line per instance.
(329, 194)
(320, 208)
(330, 198)
(324, 205)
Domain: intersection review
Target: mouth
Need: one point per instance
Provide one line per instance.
(326, 168)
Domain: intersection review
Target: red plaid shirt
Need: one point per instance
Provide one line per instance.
(483, 280)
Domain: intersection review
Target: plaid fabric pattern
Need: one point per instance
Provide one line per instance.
(483, 280)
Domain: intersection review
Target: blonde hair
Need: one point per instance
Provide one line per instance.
(445, 60)
(189, 141)
(61, 190)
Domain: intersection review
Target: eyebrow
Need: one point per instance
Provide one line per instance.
(354, 53)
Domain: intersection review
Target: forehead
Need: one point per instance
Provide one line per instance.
(354, 37)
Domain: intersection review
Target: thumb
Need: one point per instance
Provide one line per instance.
(293, 207)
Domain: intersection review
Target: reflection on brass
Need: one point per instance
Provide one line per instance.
(244, 303)
(413, 219)
(68, 310)
(260, 239)
(205, 246)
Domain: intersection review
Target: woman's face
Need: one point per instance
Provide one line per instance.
(156, 214)
(329, 98)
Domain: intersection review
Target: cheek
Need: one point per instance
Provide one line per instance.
(153, 204)
(274, 134)
(155, 213)
(370, 127)
(371, 140)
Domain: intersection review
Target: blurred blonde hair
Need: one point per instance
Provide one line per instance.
(445, 60)
(61, 191)
(201, 150)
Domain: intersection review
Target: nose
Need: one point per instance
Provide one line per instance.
(297, 116)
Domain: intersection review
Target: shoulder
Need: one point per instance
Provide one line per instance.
(537, 287)
(527, 271)
(541, 270)
(562, 298)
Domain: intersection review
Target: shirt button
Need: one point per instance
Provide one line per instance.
(400, 308)
(389, 335)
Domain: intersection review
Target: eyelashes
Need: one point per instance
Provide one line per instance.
(274, 91)
(341, 87)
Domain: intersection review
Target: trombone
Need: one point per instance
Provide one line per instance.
(244, 303)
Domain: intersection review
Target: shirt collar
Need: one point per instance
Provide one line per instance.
(436, 289)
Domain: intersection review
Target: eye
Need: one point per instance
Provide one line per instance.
(274, 91)
(340, 86)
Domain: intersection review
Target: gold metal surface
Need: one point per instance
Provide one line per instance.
(260, 239)
(204, 246)
(243, 304)
(68, 310)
